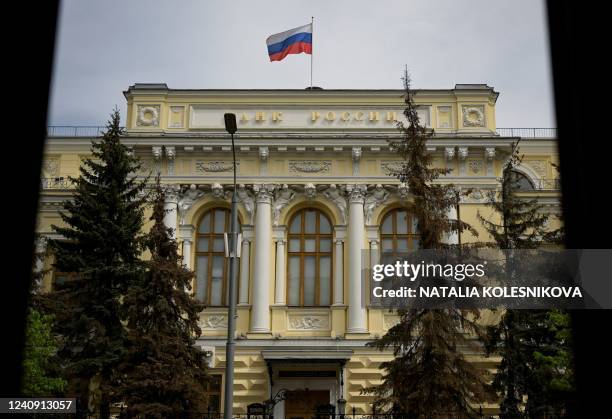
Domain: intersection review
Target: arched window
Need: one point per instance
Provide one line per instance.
(399, 232)
(211, 265)
(309, 267)
(521, 181)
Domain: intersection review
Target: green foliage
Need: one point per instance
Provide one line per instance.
(39, 377)
(101, 244)
(522, 221)
(429, 375)
(534, 345)
(163, 372)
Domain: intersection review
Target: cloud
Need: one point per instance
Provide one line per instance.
(105, 46)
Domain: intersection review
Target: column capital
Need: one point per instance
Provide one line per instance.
(356, 193)
(171, 193)
(264, 193)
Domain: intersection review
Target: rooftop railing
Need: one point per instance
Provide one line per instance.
(527, 132)
(96, 131)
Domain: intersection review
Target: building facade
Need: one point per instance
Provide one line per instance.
(315, 197)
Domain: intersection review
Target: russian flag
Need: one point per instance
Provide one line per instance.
(293, 41)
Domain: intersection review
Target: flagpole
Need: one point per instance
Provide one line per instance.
(311, 49)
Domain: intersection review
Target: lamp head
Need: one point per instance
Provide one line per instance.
(230, 122)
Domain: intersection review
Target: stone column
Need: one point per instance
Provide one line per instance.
(260, 313)
(453, 237)
(245, 262)
(39, 261)
(339, 274)
(279, 297)
(187, 252)
(170, 207)
(374, 253)
(356, 238)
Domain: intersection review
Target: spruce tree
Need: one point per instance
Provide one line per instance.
(534, 345)
(429, 376)
(163, 373)
(101, 244)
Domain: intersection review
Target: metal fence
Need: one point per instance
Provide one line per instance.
(527, 132)
(75, 131)
(56, 183)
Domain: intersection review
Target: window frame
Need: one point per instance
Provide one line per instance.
(410, 235)
(317, 254)
(211, 253)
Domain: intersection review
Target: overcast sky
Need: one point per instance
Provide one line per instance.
(104, 46)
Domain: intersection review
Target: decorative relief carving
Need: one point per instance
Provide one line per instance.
(463, 153)
(309, 166)
(402, 190)
(336, 195)
(281, 199)
(391, 167)
(170, 154)
(148, 116)
(214, 322)
(356, 193)
(215, 166)
(247, 200)
(449, 152)
(217, 191)
(309, 322)
(50, 167)
(490, 153)
(187, 198)
(476, 166)
(374, 199)
(172, 192)
(538, 166)
(310, 190)
(146, 167)
(264, 193)
(473, 116)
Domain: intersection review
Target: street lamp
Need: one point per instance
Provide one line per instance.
(230, 127)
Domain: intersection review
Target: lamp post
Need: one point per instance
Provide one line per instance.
(230, 127)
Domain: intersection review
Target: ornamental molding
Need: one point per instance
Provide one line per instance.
(308, 322)
(473, 116)
(148, 116)
(309, 166)
(215, 166)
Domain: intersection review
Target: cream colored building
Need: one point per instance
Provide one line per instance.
(314, 193)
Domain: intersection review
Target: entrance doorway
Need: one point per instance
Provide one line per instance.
(303, 404)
